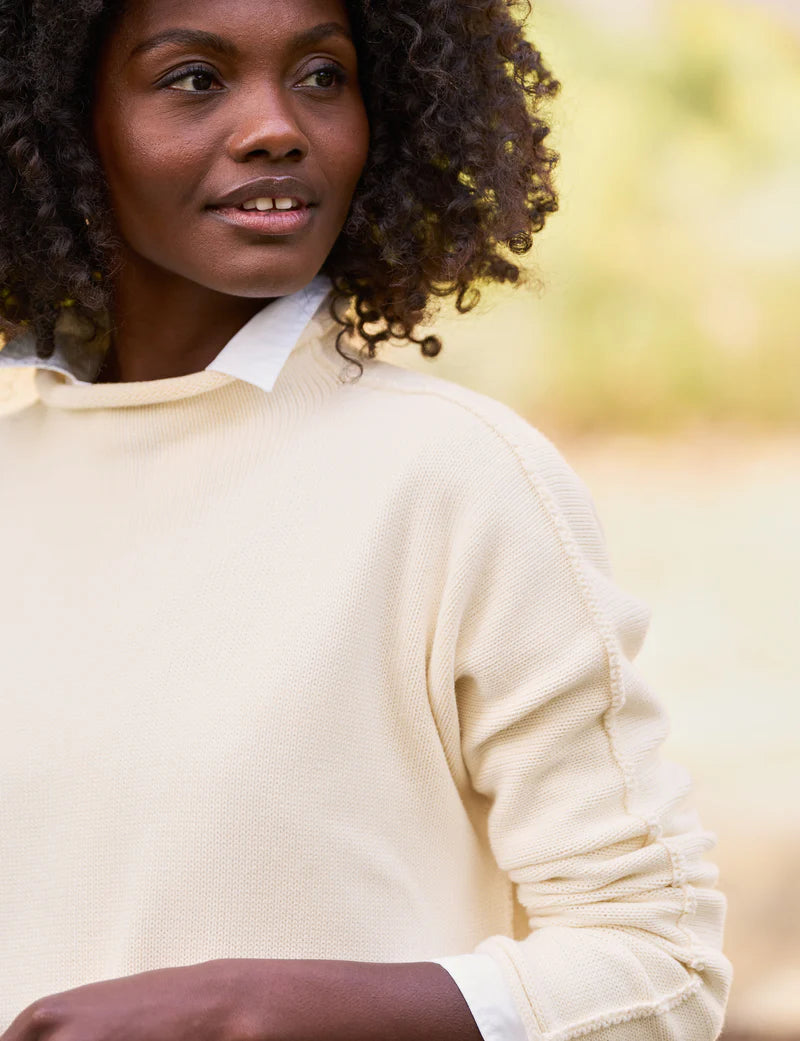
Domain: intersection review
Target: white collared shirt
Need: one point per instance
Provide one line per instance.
(256, 354)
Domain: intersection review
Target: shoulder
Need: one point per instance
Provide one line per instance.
(481, 439)
(441, 406)
(17, 390)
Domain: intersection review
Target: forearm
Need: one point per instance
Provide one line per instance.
(304, 1000)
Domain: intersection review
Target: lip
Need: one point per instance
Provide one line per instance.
(279, 187)
(269, 222)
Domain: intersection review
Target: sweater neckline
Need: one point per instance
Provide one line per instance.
(56, 390)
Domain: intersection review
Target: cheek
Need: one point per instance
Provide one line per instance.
(344, 153)
(149, 168)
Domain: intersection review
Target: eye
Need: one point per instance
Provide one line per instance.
(326, 77)
(198, 77)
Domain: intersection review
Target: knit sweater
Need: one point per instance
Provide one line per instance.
(256, 354)
(335, 671)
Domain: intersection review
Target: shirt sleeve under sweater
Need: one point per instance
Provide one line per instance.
(542, 712)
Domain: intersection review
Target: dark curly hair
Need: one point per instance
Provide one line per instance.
(457, 181)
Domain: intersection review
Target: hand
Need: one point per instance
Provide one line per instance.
(240, 999)
(190, 1003)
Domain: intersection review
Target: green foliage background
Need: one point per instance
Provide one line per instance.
(666, 291)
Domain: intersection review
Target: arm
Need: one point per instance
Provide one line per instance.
(352, 1001)
(258, 1000)
(562, 736)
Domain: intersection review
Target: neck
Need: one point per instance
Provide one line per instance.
(166, 326)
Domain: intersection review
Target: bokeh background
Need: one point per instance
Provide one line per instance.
(657, 343)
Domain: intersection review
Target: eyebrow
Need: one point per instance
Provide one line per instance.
(187, 38)
(212, 42)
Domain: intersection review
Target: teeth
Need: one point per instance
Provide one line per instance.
(268, 204)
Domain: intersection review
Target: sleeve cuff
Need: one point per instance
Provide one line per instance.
(480, 980)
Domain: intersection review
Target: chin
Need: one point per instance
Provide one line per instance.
(263, 283)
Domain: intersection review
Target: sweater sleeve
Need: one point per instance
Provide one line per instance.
(562, 736)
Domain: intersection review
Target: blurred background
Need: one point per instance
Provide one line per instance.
(658, 345)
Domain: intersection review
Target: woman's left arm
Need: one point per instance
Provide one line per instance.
(562, 736)
(258, 1000)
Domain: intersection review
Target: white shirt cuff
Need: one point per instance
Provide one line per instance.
(480, 980)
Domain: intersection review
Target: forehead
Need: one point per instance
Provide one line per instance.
(249, 21)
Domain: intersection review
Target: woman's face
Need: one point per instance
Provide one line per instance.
(203, 108)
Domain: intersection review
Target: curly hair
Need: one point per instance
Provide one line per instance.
(457, 179)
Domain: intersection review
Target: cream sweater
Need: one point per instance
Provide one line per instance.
(256, 354)
(335, 671)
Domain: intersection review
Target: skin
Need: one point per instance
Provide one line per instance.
(255, 1000)
(169, 149)
(166, 155)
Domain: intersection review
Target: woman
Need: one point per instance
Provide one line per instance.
(318, 713)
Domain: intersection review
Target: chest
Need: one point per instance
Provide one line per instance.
(257, 638)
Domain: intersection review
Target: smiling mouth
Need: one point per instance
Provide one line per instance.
(268, 216)
(264, 204)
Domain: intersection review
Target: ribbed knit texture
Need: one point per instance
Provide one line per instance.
(336, 671)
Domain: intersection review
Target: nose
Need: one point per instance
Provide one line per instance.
(266, 127)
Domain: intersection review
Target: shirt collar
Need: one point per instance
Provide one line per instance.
(255, 354)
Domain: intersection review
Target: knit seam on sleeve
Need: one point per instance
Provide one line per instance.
(643, 1011)
(616, 685)
(617, 694)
